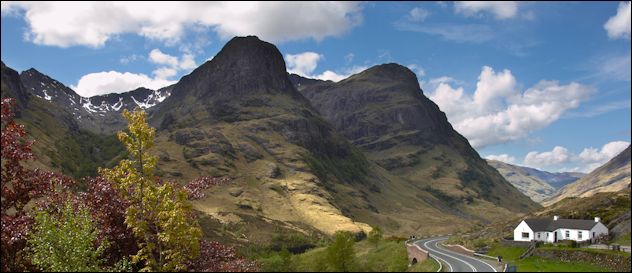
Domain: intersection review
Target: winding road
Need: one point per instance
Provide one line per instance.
(453, 262)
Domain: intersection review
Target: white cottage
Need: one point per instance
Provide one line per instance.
(553, 230)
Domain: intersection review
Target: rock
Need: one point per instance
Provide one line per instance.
(235, 192)
(272, 170)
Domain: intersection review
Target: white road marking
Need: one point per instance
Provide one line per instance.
(456, 253)
(443, 253)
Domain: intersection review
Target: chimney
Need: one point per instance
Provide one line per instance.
(597, 219)
(555, 218)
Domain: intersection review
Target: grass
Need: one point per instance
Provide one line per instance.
(428, 265)
(538, 264)
(623, 240)
(387, 256)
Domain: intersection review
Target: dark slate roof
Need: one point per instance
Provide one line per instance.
(539, 224)
(551, 225)
(573, 224)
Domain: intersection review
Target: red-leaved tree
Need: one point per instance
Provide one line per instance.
(21, 187)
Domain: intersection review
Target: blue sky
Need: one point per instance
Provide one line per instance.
(545, 85)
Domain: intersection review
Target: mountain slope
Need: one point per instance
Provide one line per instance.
(383, 111)
(536, 184)
(98, 114)
(610, 177)
(60, 143)
(239, 115)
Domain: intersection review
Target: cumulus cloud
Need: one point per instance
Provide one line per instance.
(156, 56)
(502, 157)
(618, 26)
(500, 10)
(608, 151)
(92, 24)
(499, 111)
(557, 156)
(304, 64)
(115, 82)
(170, 65)
(561, 159)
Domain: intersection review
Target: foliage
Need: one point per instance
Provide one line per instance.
(81, 153)
(340, 254)
(66, 242)
(195, 188)
(20, 187)
(216, 257)
(159, 214)
(108, 211)
(375, 235)
(350, 168)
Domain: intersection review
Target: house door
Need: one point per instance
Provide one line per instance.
(555, 237)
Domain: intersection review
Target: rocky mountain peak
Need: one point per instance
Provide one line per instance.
(389, 71)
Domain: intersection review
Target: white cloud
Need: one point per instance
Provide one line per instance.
(420, 71)
(561, 159)
(172, 65)
(502, 157)
(559, 155)
(418, 14)
(618, 26)
(156, 56)
(500, 10)
(92, 24)
(115, 82)
(164, 72)
(608, 151)
(499, 112)
(187, 62)
(304, 64)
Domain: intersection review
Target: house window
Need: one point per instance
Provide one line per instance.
(579, 235)
(538, 235)
(525, 235)
(568, 234)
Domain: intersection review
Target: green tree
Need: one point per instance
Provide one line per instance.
(340, 254)
(375, 235)
(159, 214)
(66, 243)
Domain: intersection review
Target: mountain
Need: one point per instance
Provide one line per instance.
(395, 162)
(383, 112)
(536, 184)
(60, 143)
(98, 114)
(610, 177)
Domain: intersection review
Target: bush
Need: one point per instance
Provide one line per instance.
(66, 243)
(340, 254)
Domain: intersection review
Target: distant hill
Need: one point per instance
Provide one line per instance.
(610, 177)
(538, 185)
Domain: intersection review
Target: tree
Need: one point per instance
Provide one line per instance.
(375, 235)
(107, 208)
(21, 186)
(216, 257)
(158, 213)
(340, 254)
(66, 242)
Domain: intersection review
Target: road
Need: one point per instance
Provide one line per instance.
(453, 262)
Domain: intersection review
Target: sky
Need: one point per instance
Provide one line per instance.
(538, 84)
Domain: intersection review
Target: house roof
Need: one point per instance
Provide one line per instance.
(552, 225)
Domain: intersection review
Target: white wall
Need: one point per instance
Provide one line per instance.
(544, 236)
(523, 227)
(599, 229)
(573, 234)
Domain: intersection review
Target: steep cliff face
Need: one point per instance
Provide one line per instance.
(240, 115)
(383, 112)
